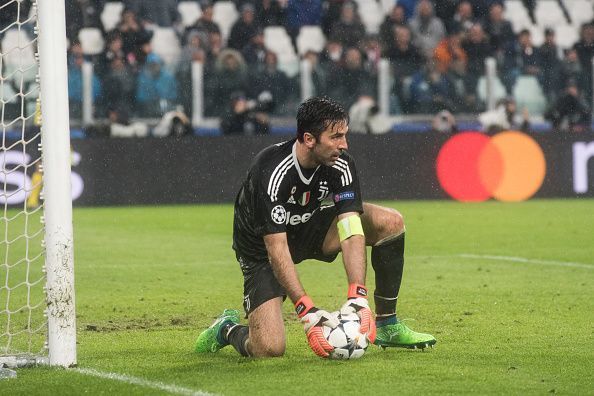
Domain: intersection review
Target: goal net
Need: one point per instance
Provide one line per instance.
(36, 282)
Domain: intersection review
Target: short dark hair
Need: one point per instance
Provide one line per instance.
(318, 113)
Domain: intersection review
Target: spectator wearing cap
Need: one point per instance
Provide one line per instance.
(156, 89)
(426, 28)
(243, 29)
(348, 29)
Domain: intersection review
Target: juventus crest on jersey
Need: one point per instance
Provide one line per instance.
(278, 195)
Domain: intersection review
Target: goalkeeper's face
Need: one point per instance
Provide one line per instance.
(331, 143)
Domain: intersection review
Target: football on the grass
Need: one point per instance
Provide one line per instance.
(346, 339)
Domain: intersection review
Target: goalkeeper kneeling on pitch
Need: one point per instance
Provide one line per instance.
(301, 200)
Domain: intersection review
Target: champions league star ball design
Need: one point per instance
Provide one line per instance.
(278, 214)
(346, 339)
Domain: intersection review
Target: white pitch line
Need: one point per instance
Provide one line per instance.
(526, 260)
(174, 389)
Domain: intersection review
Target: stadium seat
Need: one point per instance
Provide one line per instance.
(566, 35)
(580, 11)
(517, 15)
(387, 5)
(112, 14)
(537, 33)
(166, 44)
(481, 89)
(290, 66)
(310, 38)
(190, 11)
(7, 93)
(225, 14)
(15, 41)
(371, 14)
(548, 13)
(278, 41)
(528, 93)
(18, 62)
(91, 41)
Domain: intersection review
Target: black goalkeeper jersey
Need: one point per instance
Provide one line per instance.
(278, 197)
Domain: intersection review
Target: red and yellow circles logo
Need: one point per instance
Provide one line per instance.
(473, 167)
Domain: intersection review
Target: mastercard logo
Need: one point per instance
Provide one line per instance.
(509, 166)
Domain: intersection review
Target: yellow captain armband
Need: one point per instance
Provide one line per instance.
(349, 226)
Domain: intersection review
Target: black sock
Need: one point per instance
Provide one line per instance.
(387, 260)
(237, 335)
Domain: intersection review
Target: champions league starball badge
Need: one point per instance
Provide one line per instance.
(278, 214)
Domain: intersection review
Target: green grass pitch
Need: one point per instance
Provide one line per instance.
(507, 289)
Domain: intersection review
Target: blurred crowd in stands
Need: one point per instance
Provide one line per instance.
(437, 51)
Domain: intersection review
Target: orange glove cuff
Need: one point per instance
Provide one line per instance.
(303, 305)
(357, 290)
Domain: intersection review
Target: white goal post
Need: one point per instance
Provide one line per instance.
(26, 262)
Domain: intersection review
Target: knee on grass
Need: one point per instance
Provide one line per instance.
(267, 349)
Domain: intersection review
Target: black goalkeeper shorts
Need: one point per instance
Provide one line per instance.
(305, 242)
